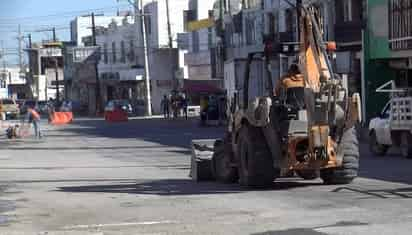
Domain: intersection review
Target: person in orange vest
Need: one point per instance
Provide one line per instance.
(293, 79)
(34, 117)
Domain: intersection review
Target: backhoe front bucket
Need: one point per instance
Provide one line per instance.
(201, 160)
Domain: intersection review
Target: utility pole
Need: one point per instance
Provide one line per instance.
(169, 30)
(138, 8)
(146, 60)
(56, 70)
(96, 69)
(3, 56)
(54, 34)
(29, 37)
(299, 13)
(20, 39)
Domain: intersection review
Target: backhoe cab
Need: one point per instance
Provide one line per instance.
(306, 125)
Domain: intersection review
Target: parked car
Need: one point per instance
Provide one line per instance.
(10, 108)
(119, 104)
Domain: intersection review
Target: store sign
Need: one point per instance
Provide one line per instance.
(50, 52)
(200, 24)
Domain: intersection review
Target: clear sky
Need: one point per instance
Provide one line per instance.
(35, 15)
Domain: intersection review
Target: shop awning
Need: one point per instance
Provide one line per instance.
(202, 87)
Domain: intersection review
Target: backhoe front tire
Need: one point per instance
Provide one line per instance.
(308, 174)
(254, 157)
(222, 169)
(345, 174)
(405, 145)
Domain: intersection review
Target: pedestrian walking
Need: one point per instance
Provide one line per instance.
(184, 105)
(34, 117)
(165, 104)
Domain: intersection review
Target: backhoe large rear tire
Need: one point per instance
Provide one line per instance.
(222, 168)
(345, 174)
(254, 157)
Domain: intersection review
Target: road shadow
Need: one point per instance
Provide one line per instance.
(176, 187)
(401, 193)
(297, 231)
(312, 231)
(176, 133)
(117, 147)
(392, 167)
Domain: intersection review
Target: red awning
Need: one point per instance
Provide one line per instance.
(203, 87)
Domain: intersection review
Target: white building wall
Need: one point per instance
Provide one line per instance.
(81, 26)
(126, 34)
(203, 7)
(13, 77)
(159, 37)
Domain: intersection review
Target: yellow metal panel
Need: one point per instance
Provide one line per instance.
(200, 24)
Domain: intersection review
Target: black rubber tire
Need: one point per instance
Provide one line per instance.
(308, 174)
(255, 160)
(349, 146)
(222, 170)
(405, 146)
(376, 148)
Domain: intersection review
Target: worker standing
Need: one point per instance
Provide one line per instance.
(166, 106)
(34, 117)
(184, 105)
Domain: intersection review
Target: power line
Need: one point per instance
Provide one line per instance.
(62, 14)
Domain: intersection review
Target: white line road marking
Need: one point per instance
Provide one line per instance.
(87, 226)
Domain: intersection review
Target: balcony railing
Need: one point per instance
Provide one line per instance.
(400, 25)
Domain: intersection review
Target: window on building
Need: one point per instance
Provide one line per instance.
(347, 11)
(290, 21)
(250, 31)
(105, 56)
(122, 52)
(114, 52)
(400, 24)
(148, 21)
(195, 44)
(209, 38)
(131, 55)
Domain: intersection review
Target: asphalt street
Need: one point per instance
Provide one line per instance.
(92, 177)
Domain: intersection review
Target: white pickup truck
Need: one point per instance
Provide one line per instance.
(392, 127)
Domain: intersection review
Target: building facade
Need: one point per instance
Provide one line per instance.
(121, 64)
(80, 27)
(387, 49)
(46, 76)
(13, 83)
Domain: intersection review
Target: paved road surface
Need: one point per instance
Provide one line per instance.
(132, 178)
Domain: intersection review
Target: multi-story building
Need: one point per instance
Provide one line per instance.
(387, 49)
(13, 83)
(204, 74)
(164, 25)
(80, 75)
(348, 36)
(81, 26)
(121, 66)
(46, 70)
(264, 22)
(256, 24)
